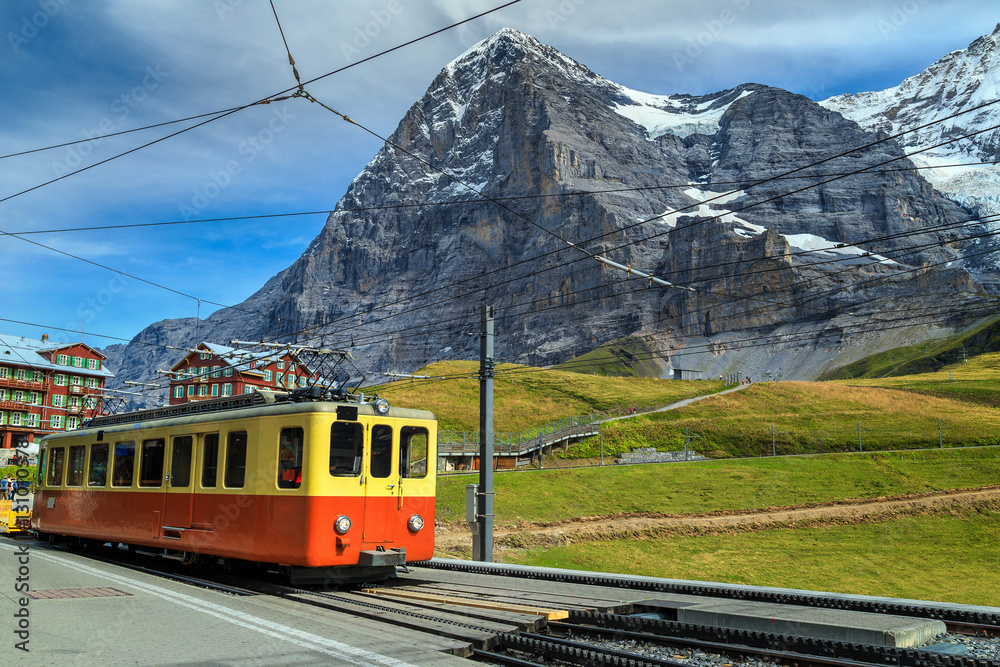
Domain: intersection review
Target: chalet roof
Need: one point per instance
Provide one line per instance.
(240, 359)
(32, 353)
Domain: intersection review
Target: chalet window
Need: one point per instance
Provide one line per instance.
(227, 390)
(228, 371)
(3, 395)
(215, 390)
(190, 390)
(4, 372)
(205, 355)
(61, 379)
(19, 374)
(203, 390)
(248, 389)
(79, 362)
(281, 379)
(3, 418)
(32, 420)
(19, 396)
(62, 359)
(97, 473)
(71, 423)
(281, 365)
(215, 371)
(15, 419)
(55, 421)
(267, 376)
(91, 382)
(94, 364)
(291, 367)
(179, 391)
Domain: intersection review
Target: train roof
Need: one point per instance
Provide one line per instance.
(257, 404)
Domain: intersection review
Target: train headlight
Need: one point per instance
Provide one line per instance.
(415, 523)
(342, 525)
(381, 406)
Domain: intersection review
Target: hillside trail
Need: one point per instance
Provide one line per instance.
(846, 512)
(679, 404)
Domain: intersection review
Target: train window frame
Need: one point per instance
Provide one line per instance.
(291, 446)
(346, 461)
(234, 476)
(54, 476)
(151, 456)
(76, 460)
(210, 444)
(377, 457)
(94, 471)
(123, 465)
(173, 461)
(406, 436)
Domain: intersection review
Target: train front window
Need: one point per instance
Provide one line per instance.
(151, 463)
(180, 462)
(121, 474)
(413, 452)
(74, 473)
(381, 451)
(346, 448)
(290, 443)
(55, 466)
(236, 459)
(210, 461)
(97, 474)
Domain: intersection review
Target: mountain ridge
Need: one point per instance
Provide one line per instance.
(578, 159)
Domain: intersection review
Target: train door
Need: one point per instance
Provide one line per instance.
(382, 486)
(179, 498)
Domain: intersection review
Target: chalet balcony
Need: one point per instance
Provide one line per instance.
(21, 384)
(77, 389)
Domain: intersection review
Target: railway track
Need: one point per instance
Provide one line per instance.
(502, 635)
(959, 618)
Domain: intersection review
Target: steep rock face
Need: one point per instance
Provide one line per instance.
(519, 165)
(958, 90)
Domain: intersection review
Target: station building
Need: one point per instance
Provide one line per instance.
(212, 371)
(47, 387)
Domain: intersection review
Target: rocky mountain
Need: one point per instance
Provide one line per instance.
(958, 90)
(788, 243)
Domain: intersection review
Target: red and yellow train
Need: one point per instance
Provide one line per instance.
(328, 490)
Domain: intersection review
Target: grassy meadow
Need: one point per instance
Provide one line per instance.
(946, 555)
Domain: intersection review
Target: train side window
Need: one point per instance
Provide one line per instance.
(236, 459)
(43, 456)
(290, 444)
(381, 450)
(121, 474)
(413, 452)
(55, 466)
(74, 471)
(98, 471)
(347, 445)
(151, 462)
(180, 462)
(210, 461)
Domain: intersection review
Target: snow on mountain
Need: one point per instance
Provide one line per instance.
(966, 81)
(676, 114)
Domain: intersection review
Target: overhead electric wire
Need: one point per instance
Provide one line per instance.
(221, 114)
(620, 230)
(454, 202)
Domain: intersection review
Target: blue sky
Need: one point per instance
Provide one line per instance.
(71, 69)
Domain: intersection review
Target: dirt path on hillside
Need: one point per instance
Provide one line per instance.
(457, 536)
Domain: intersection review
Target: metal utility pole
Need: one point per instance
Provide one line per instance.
(486, 372)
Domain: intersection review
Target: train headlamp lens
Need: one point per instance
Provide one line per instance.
(342, 525)
(415, 523)
(381, 406)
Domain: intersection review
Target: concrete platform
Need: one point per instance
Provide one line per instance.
(816, 622)
(105, 614)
